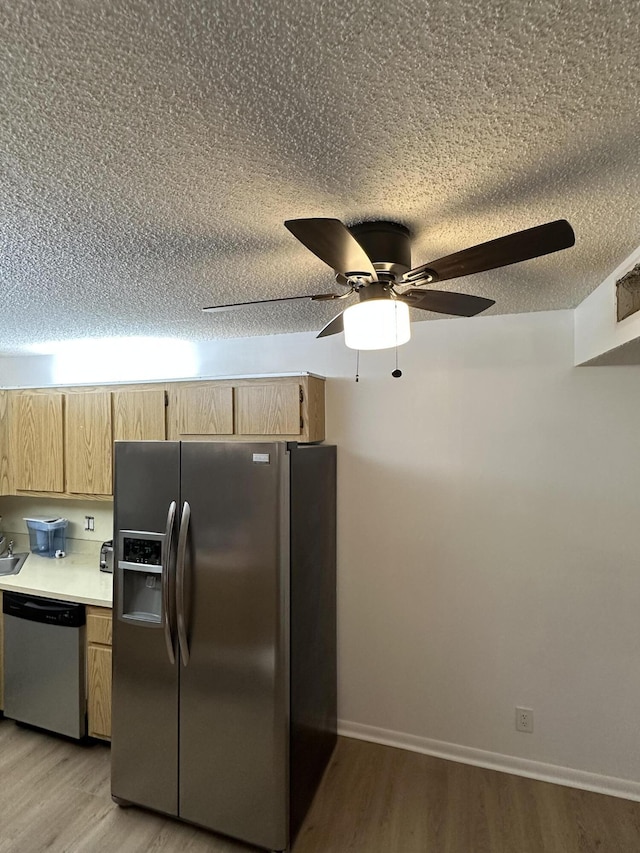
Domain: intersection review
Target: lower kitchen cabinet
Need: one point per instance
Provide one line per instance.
(99, 623)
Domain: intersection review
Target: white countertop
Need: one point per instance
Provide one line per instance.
(75, 577)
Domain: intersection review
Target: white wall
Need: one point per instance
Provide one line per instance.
(488, 550)
(490, 558)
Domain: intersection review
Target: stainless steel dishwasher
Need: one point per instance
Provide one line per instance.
(44, 663)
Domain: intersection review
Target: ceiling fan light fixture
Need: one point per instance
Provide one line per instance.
(376, 324)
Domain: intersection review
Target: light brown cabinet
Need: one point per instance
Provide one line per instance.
(269, 409)
(88, 443)
(99, 632)
(94, 420)
(201, 410)
(139, 415)
(288, 407)
(37, 441)
(5, 481)
(61, 440)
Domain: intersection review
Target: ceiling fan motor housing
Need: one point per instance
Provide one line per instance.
(388, 245)
(375, 290)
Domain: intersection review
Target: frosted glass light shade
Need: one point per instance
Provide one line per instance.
(376, 324)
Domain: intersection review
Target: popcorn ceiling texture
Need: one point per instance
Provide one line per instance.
(150, 151)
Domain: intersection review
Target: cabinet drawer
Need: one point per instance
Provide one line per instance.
(99, 625)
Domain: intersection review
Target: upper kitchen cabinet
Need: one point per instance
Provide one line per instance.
(5, 480)
(37, 441)
(88, 443)
(60, 441)
(139, 415)
(269, 409)
(283, 407)
(200, 410)
(94, 420)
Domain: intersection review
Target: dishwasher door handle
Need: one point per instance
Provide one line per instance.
(43, 608)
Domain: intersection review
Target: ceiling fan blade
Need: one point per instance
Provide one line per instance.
(333, 327)
(446, 302)
(318, 297)
(332, 242)
(521, 246)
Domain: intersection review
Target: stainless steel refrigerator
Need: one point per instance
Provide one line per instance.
(224, 667)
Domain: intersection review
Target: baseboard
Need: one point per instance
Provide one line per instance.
(611, 785)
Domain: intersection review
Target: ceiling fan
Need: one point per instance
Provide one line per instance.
(373, 261)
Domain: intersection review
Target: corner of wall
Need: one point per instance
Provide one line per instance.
(597, 332)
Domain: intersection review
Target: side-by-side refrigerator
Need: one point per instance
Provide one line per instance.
(224, 645)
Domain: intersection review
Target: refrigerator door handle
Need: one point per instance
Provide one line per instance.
(166, 564)
(181, 570)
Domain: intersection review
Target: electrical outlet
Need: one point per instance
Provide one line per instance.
(524, 719)
(89, 522)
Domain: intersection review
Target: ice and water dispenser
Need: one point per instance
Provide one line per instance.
(140, 576)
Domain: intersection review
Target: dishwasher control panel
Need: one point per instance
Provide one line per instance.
(44, 610)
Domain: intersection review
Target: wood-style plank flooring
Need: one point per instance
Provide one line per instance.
(54, 797)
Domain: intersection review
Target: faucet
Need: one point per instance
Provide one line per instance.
(10, 548)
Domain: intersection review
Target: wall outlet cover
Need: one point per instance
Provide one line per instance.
(524, 720)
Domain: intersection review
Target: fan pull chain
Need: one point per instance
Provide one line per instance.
(357, 365)
(397, 373)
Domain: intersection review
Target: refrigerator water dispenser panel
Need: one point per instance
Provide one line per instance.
(142, 551)
(140, 572)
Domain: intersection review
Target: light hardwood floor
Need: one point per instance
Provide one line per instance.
(54, 797)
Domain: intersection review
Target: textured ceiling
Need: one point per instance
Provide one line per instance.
(150, 151)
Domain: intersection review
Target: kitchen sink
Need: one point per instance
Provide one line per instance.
(11, 565)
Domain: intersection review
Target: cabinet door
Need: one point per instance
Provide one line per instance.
(88, 445)
(139, 415)
(37, 442)
(204, 410)
(268, 409)
(99, 691)
(5, 484)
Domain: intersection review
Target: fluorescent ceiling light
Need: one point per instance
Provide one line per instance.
(90, 360)
(376, 324)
